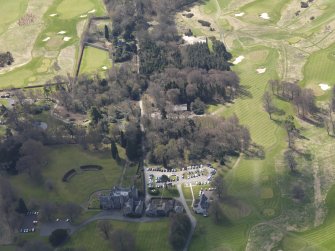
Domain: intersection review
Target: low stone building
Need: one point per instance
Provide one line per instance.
(201, 206)
(163, 207)
(125, 199)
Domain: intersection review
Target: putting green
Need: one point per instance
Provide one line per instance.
(10, 11)
(74, 8)
(93, 60)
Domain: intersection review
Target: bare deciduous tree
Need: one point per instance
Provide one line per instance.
(268, 104)
(290, 160)
(106, 228)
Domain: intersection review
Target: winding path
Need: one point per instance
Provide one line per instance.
(47, 228)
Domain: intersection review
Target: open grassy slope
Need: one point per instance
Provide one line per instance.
(10, 12)
(149, 236)
(67, 10)
(320, 68)
(78, 189)
(257, 7)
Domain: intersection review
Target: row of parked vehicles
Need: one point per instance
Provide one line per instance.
(27, 230)
(158, 169)
(32, 213)
(191, 167)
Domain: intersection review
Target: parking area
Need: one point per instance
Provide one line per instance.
(194, 174)
(29, 222)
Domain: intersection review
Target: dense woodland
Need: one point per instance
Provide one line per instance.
(170, 141)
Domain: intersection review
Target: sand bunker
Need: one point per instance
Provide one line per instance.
(238, 60)
(324, 87)
(239, 14)
(192, 40)
(53, 15)
(61, 32)
(46, 39)
(83, 15)
(264, 16)
(66, 38)
(92, 11)
(104, 67)
(261, 70)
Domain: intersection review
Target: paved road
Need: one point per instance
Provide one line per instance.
(190, 215)
(47, 228)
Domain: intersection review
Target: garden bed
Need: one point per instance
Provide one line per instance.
(68, 175)
(91, 168)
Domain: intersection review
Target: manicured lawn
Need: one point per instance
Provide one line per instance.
(168, 192)
(80, 186)
(7, 248)
(93, 60)
(223, 3)
(39, 69)
(320, 69)
(11, 11)
(257, 7)
(67, 19)
(210, 7)
(261, 128)
(67, 10)
(149, 236)
(253, 182)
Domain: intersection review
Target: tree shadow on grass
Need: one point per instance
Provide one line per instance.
(243, 92)
(277, 121)
(315, 120)
(255, 152)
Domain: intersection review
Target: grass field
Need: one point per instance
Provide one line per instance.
(78, 189)
(11, 11)
(320, 69)
(38, 70)
(210, 7)
(253, 183)
(66, 10)
(93, 61)
(255, 8)
(261, 128)
(40, 61)
(8, 248)
(149, 236)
